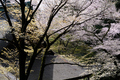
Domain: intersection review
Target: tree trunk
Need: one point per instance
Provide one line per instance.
(32, 60)
(43, 64)
(22, 58)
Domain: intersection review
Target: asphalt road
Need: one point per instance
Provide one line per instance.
(52, 72)
(56, 71)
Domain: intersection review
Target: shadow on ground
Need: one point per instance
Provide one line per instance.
(48, 74)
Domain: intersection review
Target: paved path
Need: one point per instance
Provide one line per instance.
(56, 71)
(52, 72)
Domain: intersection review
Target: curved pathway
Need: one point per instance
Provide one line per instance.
(56, 71)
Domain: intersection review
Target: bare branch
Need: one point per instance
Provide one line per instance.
(77, 23)
(9, 21)
(35, 10)
(60, 29)
(29, 9)
(55, 11)
(84, 8)
(17, 2)
(64, 32)
(39, 51)
(94, 35)
(6, 13)
(106, 31)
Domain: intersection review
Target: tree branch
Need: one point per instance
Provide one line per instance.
(60, 29)
(101, 40)
(17, 2)
(49, 23)
(9, 21)
(106, 31)
(64, 32)
(6, 12)
(35, 10)
(29, 9)
(55, 11)
(32, 60)
(39, 51)
(84, 8)
(77, 23)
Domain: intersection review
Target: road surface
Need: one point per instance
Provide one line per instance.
(52, 72)
(56, 71)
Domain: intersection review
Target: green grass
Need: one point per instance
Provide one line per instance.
(76, 48)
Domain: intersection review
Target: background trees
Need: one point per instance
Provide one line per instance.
(57, 19)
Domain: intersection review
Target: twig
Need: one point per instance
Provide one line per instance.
(35, 10)
(17, 2)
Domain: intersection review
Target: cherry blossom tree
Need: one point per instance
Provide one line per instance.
(58, 18)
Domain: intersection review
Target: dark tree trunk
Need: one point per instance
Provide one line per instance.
(22, 59)
(43, 64)
(32, 60)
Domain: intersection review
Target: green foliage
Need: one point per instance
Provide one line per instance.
(75, 48)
